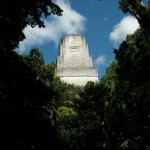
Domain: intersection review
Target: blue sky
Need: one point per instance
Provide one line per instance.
(102, 23)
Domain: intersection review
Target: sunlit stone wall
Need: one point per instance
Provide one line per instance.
(74, 64)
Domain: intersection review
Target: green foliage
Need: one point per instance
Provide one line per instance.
(90, 111)
(35, 61)
(110, 79)
(125, 6)
(25, 110)
(19, 15)
(38, 111)
(141, 12)
(64, 113)
(133, 56)
(112, 114)
(132, 92)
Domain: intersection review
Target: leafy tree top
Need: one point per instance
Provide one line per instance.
(141, 11)
(22, 13)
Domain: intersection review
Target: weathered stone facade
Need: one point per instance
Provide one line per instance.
(74, 65)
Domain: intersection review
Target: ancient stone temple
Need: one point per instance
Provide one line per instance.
(74, 64)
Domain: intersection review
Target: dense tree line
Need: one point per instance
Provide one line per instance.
(115, 113)
(25, 93)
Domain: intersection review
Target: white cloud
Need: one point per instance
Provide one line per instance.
(128, 25)
(70, 22)
(100, 61)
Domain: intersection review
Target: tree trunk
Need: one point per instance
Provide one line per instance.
(142, 13)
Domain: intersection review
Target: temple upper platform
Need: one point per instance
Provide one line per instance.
(74, 64)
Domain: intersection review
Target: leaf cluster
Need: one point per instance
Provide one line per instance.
(22, 13)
